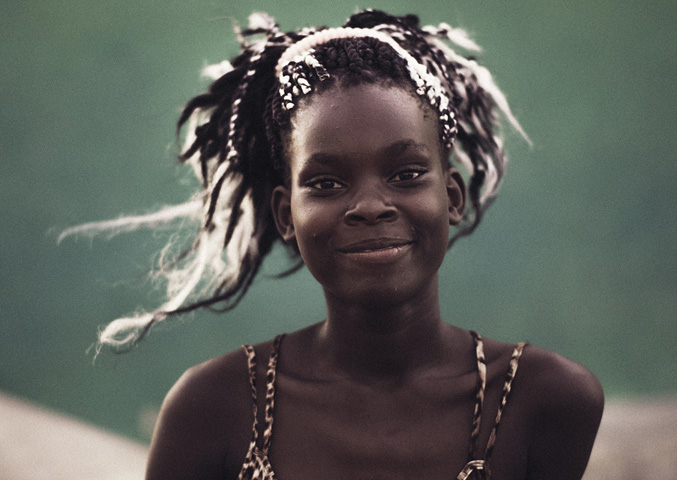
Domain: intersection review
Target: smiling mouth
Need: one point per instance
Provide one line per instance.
(376, 254)
(377, 251)
(375, 245)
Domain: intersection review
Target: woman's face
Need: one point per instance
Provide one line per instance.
(370, 200)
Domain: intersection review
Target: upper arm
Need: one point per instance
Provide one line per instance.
(567, 410)
(199, 424)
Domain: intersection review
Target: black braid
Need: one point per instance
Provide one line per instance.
(250, 83)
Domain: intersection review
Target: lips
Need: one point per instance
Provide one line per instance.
(376, 251)
(375, 245)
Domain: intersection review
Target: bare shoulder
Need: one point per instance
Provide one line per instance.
(216, 388)
(563, 386)
(565, 402)
(204, 426)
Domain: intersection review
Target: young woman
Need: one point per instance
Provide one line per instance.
(344, 144)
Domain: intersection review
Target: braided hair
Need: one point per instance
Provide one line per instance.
(236, 133)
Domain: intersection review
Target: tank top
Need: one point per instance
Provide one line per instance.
(257, 465)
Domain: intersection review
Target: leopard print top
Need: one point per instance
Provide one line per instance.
(257, 465)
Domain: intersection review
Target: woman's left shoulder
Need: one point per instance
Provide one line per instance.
(560, 406)
(559, 384)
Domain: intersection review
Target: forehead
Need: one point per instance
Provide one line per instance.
(361, 119)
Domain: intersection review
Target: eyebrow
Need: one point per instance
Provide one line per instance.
(398, 148)
(395, 149)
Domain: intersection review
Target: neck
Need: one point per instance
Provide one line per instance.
(367, 340)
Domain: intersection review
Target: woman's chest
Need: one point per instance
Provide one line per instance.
(342, 431)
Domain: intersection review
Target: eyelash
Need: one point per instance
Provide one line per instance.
(318, 181)
(418, 172)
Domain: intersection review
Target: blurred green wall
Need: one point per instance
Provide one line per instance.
(577, 255)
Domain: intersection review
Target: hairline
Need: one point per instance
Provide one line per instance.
(339, 83)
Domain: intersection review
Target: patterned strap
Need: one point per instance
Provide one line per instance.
(479, 392)
(480, 466)
(249, 462)
(256, 465)
(251, 364)
(507, 386)
(270, 393)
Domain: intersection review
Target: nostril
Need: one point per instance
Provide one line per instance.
(352, 217)
(390, 214)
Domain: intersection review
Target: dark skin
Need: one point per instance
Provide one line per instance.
(383, 388)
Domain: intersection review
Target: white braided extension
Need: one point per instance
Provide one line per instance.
(427, 85)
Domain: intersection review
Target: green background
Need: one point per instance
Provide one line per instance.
(577, 255)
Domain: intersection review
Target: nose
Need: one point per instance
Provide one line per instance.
(370, 206)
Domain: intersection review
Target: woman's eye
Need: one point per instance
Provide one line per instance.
(325, 184)
(407, 175)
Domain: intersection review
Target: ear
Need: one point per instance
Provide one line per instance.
(456, 195)
(280, 203)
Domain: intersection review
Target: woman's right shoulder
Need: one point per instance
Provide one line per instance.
(221, 376)
(220, 385)
(204, 426)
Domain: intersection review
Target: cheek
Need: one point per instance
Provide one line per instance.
(313, 228)
(310, 221)
(433, 219)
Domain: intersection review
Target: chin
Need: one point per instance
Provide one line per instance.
(374, 294)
